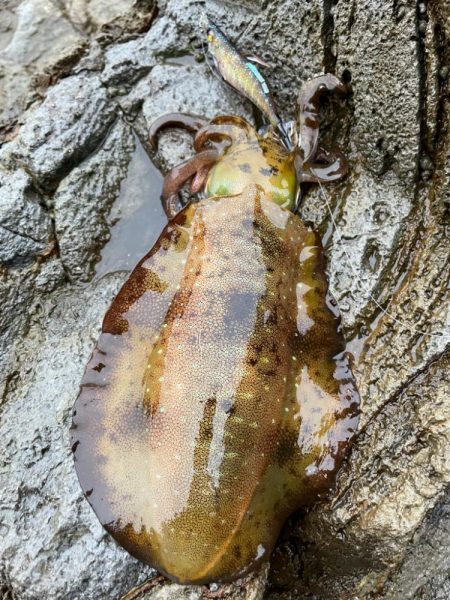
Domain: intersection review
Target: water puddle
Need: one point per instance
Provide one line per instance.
(137, 216)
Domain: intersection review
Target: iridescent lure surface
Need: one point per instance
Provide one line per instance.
(243, 76)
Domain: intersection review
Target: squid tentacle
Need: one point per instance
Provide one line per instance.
(177, 177)
(199, 180)
(222, 131)
(309, 104)
(328, 166)
(191, 123)
(219, 135)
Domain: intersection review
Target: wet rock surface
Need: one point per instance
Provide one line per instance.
(71, 122)
(95, 185)
(25, 227)
(80, 82)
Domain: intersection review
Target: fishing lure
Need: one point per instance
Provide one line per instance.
(243, 75)
(219, 398)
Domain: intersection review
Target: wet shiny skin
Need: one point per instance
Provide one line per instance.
(218, 399)
(254, 159)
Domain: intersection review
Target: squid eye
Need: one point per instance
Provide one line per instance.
(210, 36)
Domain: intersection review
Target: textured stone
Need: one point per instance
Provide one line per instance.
(25, 228)
(40, 35)
(66, 127)
(83, 201)
(101, 12)
(127, 62)
(8, 22)
(375, 43)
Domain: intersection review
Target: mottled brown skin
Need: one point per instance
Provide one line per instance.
(218, 399)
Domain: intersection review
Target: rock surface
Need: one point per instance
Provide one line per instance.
(80, 82)
(71, 122)
(95, 183)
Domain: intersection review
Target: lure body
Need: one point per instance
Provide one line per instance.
(243, 75)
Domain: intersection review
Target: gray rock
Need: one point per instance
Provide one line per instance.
(433, 582)
(42, 34)
(93, 59)
(25, 227)
(101, 12)
(14, 83)
(83, 201)
(127, 62)
(20, 298)
(373, 212)
(8, 22)
(375, 44)
(41, 39)
(70, 123)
